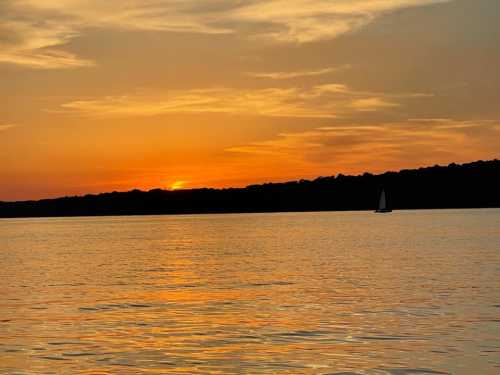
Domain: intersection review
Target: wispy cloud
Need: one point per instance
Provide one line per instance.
(47, 59)
(372, 104)
(377, 146)
(302, 21)
(298, 74)
(33, 42)
(322, 101)
(34, 33)
(6, 126)
(273, 102)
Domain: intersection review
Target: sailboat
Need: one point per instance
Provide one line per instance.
(382, 204)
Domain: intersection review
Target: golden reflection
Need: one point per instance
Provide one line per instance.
(270, 294)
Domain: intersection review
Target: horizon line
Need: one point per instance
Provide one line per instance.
(250, 185)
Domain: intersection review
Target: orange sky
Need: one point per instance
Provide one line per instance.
(114, 95)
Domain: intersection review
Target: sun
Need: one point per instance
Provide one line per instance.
(177, 185)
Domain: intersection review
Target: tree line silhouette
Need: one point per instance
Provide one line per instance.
(472, 185)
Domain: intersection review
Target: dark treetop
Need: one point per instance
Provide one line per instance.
(470, 185)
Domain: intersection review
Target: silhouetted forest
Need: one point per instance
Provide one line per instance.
(470, 185)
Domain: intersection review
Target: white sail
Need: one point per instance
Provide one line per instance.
(382, 205)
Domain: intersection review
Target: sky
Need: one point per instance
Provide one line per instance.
(114, 95)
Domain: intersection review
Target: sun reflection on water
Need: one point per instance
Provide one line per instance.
(318, 293)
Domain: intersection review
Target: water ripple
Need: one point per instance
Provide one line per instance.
(413, 293)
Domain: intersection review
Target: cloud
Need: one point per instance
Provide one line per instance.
(6, 126)
(271, 102)
(303, 21)
(156, 15)
(34, 33)
(357, 148)
(298, 74)
(48, 59)
(323, 101)
(31, 42)
(372, 104)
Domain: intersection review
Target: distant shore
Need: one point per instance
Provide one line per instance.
(472, 185)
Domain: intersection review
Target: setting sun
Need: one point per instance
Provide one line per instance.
(177, 185)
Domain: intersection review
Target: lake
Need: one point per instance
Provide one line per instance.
(412, 292)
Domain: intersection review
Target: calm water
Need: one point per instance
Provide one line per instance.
(294, 293)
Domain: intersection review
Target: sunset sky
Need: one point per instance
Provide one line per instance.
(121, 94)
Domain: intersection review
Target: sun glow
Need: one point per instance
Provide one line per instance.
(177, 185)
